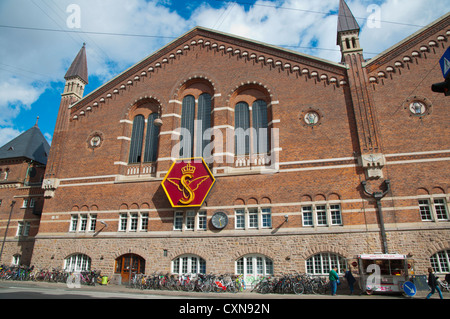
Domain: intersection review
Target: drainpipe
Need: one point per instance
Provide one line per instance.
(378, 196)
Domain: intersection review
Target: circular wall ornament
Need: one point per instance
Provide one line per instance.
(95, 140)
(310, 117)
(418, 106)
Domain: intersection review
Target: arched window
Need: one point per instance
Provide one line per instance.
(193, 139)
(440, 261)
(151, 139)
(137, 145)
(321, 264)
(260, 125)
(254, 267)
(241, 129)
(203, 124)
(77, 262)
(187, 126)
(137, 136)
(188, 264)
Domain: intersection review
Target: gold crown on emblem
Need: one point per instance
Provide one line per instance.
(188, 169)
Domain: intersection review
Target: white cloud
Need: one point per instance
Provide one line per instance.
(30, 60)
(7, 134)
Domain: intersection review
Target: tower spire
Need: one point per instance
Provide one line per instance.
(77, 74)
(347, 31)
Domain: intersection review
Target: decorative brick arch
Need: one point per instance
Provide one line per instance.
(154, 103)
(317, 249)
(434, 247)
(188, 251)
(244, 251)
(191, 80)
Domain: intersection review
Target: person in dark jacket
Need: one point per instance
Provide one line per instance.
(434, 285)
(350, 279)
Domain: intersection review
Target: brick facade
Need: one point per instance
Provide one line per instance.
(365, 132)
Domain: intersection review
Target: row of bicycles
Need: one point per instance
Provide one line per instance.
(25, 273)
(197, 282)
(285, 284)
(293, 284)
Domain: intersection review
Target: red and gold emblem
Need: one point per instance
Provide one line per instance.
(188, 182)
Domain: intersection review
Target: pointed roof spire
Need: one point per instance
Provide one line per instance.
(346, 20)
(79, 66)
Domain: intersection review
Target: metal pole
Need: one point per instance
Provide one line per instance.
(7, 226)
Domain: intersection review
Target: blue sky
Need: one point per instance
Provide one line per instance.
(40, 38)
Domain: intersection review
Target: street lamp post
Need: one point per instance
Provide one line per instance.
(378, 196)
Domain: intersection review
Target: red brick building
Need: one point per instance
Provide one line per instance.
(291, 140)
(22, 166)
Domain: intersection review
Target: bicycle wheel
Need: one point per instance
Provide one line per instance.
(298, 288)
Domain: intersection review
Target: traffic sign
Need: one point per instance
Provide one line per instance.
(409, 288)
(445, 63)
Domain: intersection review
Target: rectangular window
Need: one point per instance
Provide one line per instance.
(336, 217)
(425, 210)
(190, 220)
(19, 229)
(441, 209)
(307, 215)
(321, 212)
(134, 221)
(240, 219)
(123, 222)
(92, 222)
(266, 217)
(83, 222)
(253, 218)
(144, 222)
(178, 221)
(73, 223)
(202, 220)
(32, 202)
(25, 203)
(26, 229)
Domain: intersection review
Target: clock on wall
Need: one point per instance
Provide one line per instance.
(219, 220)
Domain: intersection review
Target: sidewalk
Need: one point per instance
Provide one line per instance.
(341, 294)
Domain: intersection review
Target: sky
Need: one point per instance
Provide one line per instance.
(40, 38)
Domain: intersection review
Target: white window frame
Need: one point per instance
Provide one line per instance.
(23, 229)
(328, 214)
(254, 266)
(321, 263)
(190, 220)
(77, 262)
(434, 208)
(133, 221)
(253, 217)
(82, 223)
(188, 264)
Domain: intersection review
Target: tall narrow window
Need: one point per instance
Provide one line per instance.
(203, 124)
(187, 126)
(260, 125)
(136, 139)
(241, 127)
(151, 139)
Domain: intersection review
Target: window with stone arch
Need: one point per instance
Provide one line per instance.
(144, 134)
(188, 264)
(440, 261)
(77, 262)
(252, 118)
(254, 267)
(321, 263)
(196, 118)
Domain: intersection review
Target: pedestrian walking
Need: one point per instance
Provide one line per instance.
(334, 280)
(350, 279)
(434, 285)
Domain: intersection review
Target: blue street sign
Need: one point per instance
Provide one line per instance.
(409, 288)
(445, 63)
